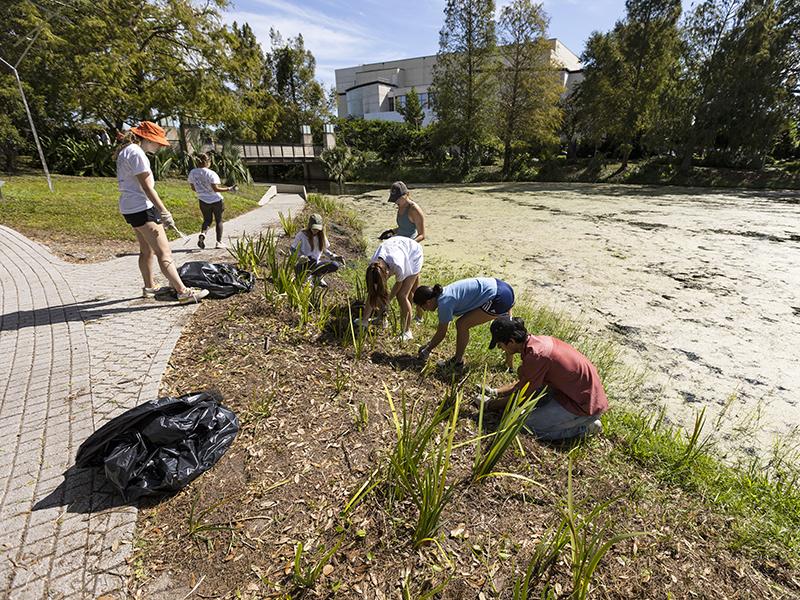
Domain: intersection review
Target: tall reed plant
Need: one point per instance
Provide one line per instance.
(517, 410)
(420, 462)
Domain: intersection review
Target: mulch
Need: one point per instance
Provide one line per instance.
(303, 451)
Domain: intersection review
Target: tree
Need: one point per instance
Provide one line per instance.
(248, 73)
(339, 162)
(529, 88)
(301, 97)
(463, 79)
(745, 72)
(412, 112)
(626, 72)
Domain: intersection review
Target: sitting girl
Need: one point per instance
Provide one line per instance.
(310, 244)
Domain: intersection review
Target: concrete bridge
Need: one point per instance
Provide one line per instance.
(305, 153)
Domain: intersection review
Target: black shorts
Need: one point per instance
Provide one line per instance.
(138, 219)
(502, 301)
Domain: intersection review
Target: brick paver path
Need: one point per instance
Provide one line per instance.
(78, 346)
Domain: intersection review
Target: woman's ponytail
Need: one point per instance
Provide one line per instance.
(424, 293)
(377, 294)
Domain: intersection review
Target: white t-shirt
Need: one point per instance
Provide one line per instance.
(203, 180)
(402, 255)
(132, 161)
(302, 242)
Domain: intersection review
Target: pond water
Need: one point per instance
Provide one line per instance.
(701, 287)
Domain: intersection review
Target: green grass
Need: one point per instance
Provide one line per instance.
(87, 207)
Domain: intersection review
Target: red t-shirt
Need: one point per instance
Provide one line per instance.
(568, 373)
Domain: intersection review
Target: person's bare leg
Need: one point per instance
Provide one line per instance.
(463, 325)
(146, 256)
(418, 312)
(405, 303)
(154, 234)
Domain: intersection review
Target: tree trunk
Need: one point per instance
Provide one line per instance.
(184, 146)
(688, 152)
(506, 158)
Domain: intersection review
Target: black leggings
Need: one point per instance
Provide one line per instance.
(315, 268)
(213, 212)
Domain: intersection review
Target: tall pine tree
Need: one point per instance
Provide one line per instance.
(529, 87)
(463, 79)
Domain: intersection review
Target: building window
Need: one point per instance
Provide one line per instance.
(399, 102)
(423, 100)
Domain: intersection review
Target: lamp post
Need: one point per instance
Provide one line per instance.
(28, 110)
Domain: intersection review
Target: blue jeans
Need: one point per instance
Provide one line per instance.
(551, 421)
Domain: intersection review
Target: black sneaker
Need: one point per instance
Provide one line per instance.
(201, 241)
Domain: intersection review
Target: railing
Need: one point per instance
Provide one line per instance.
(276, 153)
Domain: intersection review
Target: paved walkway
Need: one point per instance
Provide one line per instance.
(72, 356)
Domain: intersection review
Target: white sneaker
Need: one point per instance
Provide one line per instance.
(149, 292)
(220, 246)
(406, 335)
(192, 295)
(594, 428)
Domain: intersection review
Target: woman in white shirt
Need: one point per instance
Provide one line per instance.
(143, 209)
(310, 244)
(207, 185)
(401, 257)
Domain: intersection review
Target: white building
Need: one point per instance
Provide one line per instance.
(376, 90)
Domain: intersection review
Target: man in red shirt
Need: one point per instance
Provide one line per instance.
(574, 397)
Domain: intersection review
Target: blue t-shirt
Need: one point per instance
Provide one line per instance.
(465, 295)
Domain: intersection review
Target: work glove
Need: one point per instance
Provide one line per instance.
(386, 234)
(235, 187)
(337, 258)
(488, 392)
(166, 220)
(424, 353)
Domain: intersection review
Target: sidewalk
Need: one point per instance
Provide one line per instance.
(74, 354)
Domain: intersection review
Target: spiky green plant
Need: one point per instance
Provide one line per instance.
(517, 410)
(588, 541)
(305, 576)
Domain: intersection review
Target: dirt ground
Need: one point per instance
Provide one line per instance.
(700, 286)
(315, 423)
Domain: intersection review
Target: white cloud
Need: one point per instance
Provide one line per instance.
(335, 43)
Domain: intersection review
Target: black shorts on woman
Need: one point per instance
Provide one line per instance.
(502, 302)
(138, 219)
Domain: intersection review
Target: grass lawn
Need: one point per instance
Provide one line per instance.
(84, 211)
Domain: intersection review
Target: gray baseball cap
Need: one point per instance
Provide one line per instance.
(397, 191)
(315, 222)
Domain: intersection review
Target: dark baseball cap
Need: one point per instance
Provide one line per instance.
(503, 330)
(397, 191)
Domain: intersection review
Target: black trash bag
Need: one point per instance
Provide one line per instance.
(160, 446)
(221, 280)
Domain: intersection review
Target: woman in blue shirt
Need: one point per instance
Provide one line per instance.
(474, 301)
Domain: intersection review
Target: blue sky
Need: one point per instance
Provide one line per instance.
(345, 33)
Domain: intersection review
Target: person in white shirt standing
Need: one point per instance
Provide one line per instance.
(207, 185)
(143, 209)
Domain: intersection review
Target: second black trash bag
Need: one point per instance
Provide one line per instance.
(160, 446)
(221, 280)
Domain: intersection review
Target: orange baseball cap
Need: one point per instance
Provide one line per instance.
(150, 131)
